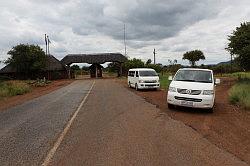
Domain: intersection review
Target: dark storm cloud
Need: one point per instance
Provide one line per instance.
(88, 26)
(145, 20)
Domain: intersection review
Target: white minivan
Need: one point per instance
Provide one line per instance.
(192, 87)
(143, 78)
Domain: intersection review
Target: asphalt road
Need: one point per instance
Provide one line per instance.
(113, 127)
(28, 131)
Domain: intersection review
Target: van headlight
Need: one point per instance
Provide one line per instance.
(208, 92)
(141, 81)
(172, 89)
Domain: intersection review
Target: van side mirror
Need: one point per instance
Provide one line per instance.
(170, 78)
(217, 81)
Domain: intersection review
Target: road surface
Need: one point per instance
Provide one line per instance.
(28, 131)
(113, 127)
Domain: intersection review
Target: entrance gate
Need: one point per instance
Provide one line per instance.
(96, 60)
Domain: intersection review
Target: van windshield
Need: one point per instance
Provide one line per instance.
(194, 76)
(148, 73)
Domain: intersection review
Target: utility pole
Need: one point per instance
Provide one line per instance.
(124, 38)
(46, 43)
(154, 55)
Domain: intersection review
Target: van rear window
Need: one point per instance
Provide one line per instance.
(148, 73)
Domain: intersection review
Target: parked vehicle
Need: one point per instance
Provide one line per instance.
(192, 88)
(143, 78)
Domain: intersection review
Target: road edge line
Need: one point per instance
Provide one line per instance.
(65, 130)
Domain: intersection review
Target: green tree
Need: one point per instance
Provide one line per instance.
(193, 56)
(239, 45)
(27, 59)
(113, 67)
(133, 63)
(74, 67)
(149, 61)
(157, 67)
(85, 68)
(173, 66)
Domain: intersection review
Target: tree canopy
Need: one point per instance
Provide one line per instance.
(74, 67)
(193, 56)
(149, 61)
(27, 59)
(239, 45)
(133, 63)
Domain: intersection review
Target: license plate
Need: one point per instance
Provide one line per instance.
(187, 103)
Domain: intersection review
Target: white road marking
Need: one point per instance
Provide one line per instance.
(63, 134)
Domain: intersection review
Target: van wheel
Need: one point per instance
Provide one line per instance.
(170, 106)
(136, 87)
(210, 110)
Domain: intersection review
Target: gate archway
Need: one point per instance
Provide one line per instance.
(96, 59)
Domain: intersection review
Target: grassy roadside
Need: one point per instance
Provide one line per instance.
(239, 94)
(13, 88)
(239, 75)
(18, 87)
(164, 81)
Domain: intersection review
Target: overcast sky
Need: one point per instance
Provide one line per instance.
(96, 26)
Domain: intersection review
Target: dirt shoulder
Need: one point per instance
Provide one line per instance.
(228, 127)
(36, 92)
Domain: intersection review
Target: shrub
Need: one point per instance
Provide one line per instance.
(39, 82)
(13, 88)
(239, 94)
(164, 81)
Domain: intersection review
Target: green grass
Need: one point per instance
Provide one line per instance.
(13, 88)
(239, 94)
(164, 81)
(239, 75)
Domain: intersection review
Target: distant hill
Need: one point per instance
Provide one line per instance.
(224, 63)
(221, 63)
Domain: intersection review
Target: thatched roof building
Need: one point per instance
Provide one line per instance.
(52, 65)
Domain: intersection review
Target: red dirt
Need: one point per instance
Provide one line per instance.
(36, 92)
(228, 127)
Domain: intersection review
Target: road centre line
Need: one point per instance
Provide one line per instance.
(63, 134)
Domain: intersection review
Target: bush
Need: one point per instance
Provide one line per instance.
(164, 81)
(39, 82)
(13, 88)
(239, 94)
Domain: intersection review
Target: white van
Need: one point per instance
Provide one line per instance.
(143, 78)
(192, 87)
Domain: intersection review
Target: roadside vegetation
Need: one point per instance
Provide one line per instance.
(239, 94)
(13, 88)
(10, 88)
(164, 81)
(28, 60)
(238, 75)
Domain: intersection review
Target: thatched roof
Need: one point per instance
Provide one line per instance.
(52, 64)
(7, 69)
(93, 58)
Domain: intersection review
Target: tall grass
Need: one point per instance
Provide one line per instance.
(13, 88)
(239, 94)
(239, 75)
(164, 80)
